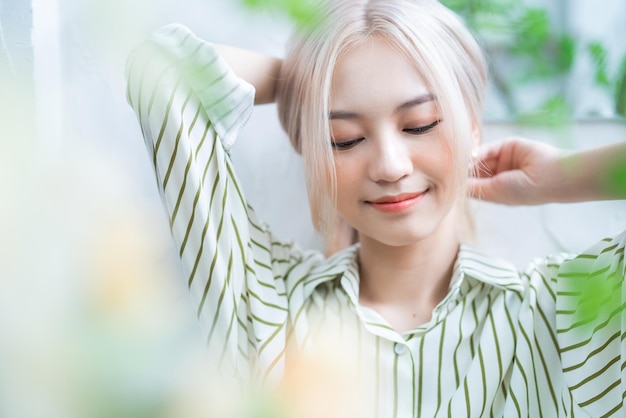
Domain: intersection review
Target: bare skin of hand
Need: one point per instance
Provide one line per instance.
(518, 171)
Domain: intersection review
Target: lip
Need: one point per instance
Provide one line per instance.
(396, 203)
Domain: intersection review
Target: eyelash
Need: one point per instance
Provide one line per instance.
(345, 145)
(422, 129)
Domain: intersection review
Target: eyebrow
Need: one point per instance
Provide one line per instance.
(424, 98)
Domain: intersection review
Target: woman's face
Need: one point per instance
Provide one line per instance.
(395, 175)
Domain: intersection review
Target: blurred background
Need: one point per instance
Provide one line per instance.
(94, 320)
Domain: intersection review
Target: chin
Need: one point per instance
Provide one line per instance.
(402, 238)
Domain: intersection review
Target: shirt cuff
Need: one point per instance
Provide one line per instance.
(227, 99)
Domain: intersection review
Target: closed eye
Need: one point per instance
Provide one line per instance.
(422, 129)
(345, 145)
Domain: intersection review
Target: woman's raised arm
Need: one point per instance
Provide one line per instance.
(519, 171)
(191, 107)
(257, 69)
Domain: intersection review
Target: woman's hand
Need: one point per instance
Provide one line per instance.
(514, 171)
(518, 171)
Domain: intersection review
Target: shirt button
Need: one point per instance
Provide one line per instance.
(399, 348)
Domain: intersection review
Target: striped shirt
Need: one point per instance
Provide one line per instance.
(500, 344)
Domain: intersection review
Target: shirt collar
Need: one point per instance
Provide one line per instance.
(473, 264)
(342, 266)
(470, 264)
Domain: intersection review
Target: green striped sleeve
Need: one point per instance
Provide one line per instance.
(191, 107)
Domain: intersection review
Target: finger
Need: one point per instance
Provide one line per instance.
(490, 150)
(474, 187)
(480, 188)
(483, 168)
(492, 159)
(498, 189)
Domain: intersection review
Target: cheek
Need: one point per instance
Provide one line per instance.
(454, 170)
(345, 172)
(441, 167)
(348, 184)
(434, 159)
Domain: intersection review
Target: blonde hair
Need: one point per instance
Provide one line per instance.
(444, 52)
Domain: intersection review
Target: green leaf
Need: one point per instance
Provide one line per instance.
(533, 28)
(620, 90)
(599, 58)
(458, 6)
(566, 52)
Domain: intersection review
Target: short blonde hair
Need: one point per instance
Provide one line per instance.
(445, 53)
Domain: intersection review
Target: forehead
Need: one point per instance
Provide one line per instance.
(374, 74)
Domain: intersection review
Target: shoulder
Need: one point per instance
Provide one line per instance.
(591, 283)
(563, 270)
(562, 276)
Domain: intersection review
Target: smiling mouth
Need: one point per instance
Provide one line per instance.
(397, 203)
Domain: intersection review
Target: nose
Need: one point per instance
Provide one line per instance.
(390, 160)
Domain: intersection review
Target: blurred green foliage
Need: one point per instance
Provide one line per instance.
(620, 91)
(303, 13)
(537, 51)
(599, 299)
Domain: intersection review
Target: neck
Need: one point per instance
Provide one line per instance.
(404, 284)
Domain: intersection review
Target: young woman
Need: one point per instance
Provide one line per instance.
(383, 100)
